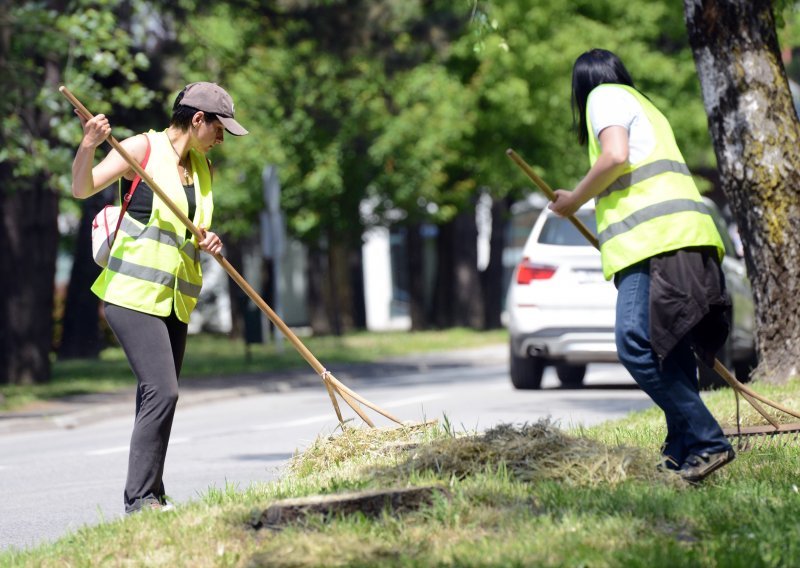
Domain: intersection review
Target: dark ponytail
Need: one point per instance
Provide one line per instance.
(593, 68)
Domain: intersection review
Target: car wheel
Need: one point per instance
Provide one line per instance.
(571, 376)
(526, 372)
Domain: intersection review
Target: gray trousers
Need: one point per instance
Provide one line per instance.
(154, 347)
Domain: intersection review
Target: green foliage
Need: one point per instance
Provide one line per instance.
(523, 82)
(784, 11)
(85, 48)
(407, 107)
(408, 104)
(419, 144)
(788, 23)
(347, 102)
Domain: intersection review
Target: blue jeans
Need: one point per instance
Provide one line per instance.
(691, 429)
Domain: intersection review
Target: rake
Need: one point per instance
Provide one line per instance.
(773, 434)
(332, 384)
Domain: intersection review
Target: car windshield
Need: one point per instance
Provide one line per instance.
(560, 231)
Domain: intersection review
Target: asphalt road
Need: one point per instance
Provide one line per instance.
(54, 480)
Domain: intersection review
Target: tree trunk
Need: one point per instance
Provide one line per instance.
(318, 297)
(756, 134)
(492, 277)
(238, 298)
(416, 277)
(468, 298)
(81, 337)
(29, 233)
(339, 300)
(356, 273)
(458, 294)
(442, 315)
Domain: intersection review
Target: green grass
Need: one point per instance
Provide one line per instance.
(519, 496)
(215, 355)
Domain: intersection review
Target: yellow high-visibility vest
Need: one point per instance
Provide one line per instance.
(154, 268)
(654, 206)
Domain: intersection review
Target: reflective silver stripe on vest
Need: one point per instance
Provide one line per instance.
(153, 275)
(164, 237)
(645, 172)
(191, 250)
(151, 232)
(141, 272)
(187, 289)
(649, 213)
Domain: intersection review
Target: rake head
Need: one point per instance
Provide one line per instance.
(763, 437)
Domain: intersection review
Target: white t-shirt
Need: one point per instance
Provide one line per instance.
(611, 105)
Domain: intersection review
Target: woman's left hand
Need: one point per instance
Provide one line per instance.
(211, 243)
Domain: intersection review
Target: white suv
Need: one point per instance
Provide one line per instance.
(561, 310)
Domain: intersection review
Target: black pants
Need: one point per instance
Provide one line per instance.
(154, 347)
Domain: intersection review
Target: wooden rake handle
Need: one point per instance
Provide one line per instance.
(748, 394)
(551, 195)
(232, 272)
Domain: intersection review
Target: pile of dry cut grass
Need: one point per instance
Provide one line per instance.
(352, 447)
(534, 452)
(528, 452)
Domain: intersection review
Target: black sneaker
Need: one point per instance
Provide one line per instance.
(699, 466)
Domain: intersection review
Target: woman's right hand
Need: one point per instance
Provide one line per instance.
(564, 203)
(95, 130)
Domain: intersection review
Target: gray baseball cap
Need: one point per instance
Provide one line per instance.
(210, 97)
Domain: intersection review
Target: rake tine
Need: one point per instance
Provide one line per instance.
(354, 405)
(763, 437)
(740, 442)
(332, 394)
(342, 389)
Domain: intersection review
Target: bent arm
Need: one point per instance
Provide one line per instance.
(609, 166)
(88, 180)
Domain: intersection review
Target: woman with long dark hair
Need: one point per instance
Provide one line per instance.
(661, 246)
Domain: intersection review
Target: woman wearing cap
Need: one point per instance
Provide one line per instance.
(661, 246)
(153, 277)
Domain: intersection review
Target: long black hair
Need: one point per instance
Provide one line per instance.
(593, 68)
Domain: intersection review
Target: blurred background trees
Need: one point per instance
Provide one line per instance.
(387, 114)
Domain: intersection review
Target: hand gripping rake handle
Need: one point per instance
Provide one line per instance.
(551, 195)
(331, 383)
(748, 394)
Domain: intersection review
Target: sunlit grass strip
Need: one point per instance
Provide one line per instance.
(507, 507)
(516, 499)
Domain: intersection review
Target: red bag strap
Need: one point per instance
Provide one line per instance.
(128, 196)
(127, 199)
